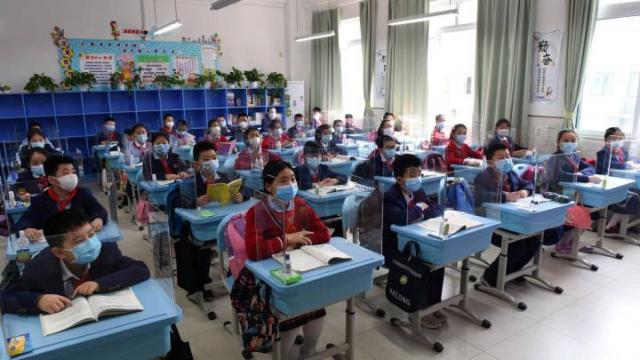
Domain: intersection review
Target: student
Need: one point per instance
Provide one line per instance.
(567, 166)
(109, 134)
(163, 164)
(253, 157)
(32, 181)
(182, 136)
(139, 147)
(63, 193)
(272, 114)
(316, 116)
(350, 125)
(243, 125)
(406, 203)
(438, 136)
(214, 134)
(297, 131)
(501, 135)
(386, 127)
(275, 136)
(339, 132)
(34, 125)
(74, 263)
(312, 172)
(457, 151)
(328, 146)
(128, 138)
(264, 237)
(499, 183)
(168, 125)
(224, 127)
(381, 163)
(36, 140)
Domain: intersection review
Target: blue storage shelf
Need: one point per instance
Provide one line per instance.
(196, 119)
(11, 106)
(122, 101)
(39, 104)
(68, 103)
(147, 100)
(95, 102)
(13, 129)
(171, 99)
(124, 120)
(212, 113)
(94, 123)
(150, 119)
(193, 99)
(72, 125)
(216, 98)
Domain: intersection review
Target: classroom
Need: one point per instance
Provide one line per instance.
(317, 179)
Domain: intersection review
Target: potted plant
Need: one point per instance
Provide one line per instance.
(277, 80)
(255, 78)
(116, 80)
(40, 83)
(205, 80)
(82, 81)
(174, 81)
(221, 79)
(234, 78)
(5, 89)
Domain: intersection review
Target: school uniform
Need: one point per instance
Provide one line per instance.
(179, 140)
(567, 168)
(265, 225)
(330, 149)
(216, 140)
(618, 160)
(28, 183)
(378, 165)
(227, 133)
(47, 274)
(47, 203)
(238, 135)
(439, 138)
(295, 132)
(490, 189)
(506, 141)
(306, 176)
(138, 151)
(269, 142)
(456, 154)
(24, 153)
(248, 159)
(400, 209)
(109, 137)
(168, 131)
(160, 166)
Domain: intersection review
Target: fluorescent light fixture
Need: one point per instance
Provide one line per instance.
(168, 27)
(222, 3)
(316, 36)
(421, 18)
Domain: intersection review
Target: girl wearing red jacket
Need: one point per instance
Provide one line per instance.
(283, 221)
(456, 151)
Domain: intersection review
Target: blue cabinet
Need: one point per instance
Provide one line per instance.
(72, 119)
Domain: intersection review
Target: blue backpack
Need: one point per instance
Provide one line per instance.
(459, 196)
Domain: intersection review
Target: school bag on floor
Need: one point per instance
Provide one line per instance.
(407, 280)
(234, 237)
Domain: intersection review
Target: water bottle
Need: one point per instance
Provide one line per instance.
(22, 251)
(12, 199)
(80, 166)
(278, 145)
(484, 162)
(286, 269)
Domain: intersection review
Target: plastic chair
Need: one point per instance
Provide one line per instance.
(225, 273)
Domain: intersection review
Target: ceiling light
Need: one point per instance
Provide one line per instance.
(168, 27)
(222, 3)
(316, 36)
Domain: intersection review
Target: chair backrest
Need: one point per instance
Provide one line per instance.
(298, 157)
(229, 165)
(172, 200)
(231, 241)
(350, 211)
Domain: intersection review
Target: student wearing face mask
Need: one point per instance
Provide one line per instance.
(264, 237)
(36, 141)
(161, 162)
(298, 130)
(457, 151)
(438, 136)
(243, 125)
(328, 147)
(499, 183)
(350, 125)
(109, 134)
(34, 125)
(272, 114)
(74, 264)
(502, 136)
(386, 127)
(316, 115)
(63, 193)
(313, 172)
(381, 163)
(275, 137)
(140, 146)
(406, 203)
(253, 157)
(339, 131)
(168, 125)
(182, 137)
(214, 135)
(32, 181)
(224, 128)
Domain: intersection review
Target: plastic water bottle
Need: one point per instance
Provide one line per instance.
(286, 268)
(12, 199)
(484, 162)
(278, 145)
(154, 178)
(80, 166)
(22, 251)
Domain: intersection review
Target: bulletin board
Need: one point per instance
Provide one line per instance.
(102, 57)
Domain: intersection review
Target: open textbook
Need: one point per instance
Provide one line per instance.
(90, 309)
(223, 193)
(457, 221)
(310, 257)
(324, 190)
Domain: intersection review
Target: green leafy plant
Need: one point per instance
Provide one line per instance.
(254, 76)
(4, 88)
(277, 80)
(116, 78)
(37, 81)
(76, 79)
(235, 77)
(208, 76)
(168, 81)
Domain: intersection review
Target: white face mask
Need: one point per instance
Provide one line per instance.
(68, 182)
(254, 142)
(316, 116)
(223, 123)
(243, 125)
(169, 124)
(272, 115)
(503, 132)
(215, 131)
(387, 131)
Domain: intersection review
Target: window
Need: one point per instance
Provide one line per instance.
(351, 63)
(610, 93)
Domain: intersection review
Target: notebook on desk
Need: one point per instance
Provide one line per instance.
(457, 220)
(324, 190)
(312, 257)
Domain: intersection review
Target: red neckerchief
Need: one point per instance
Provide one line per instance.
(43, 182)
(505, 142)
(62, 203)
(166, 130)
(574, 165)
(85, 277)
(165, 165)
(110, 135)
(506, 185)
(619, 154)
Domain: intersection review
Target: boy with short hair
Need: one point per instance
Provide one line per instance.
(75, 263)
(312, 172)
(109, 133)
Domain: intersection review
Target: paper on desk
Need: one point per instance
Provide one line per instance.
(526, 203)
(457, 221)
(324, 190)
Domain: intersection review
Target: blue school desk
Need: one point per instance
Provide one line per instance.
(421, 154)
(342, 166)
(439, 252)
(132, 172)
(286, 153)
(432, 182)
(345, 280)
(531, 160)
(518, 223)
(329, 204)
(139, 335)
(185, 153)
(627, 174)
(15, 213)
(252, 179)
(205, 229)
(115, 160)
(109, 233)
(468, 173)
(99, 150)
(357, 136)
(439, 149)
(350, 148)
(157, 191)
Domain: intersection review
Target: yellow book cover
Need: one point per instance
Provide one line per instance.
(223, 193)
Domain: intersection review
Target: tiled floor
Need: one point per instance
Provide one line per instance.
(597, 317)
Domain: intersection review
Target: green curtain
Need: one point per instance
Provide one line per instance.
(504, 53)
(406, 77)
(581, 22)
(368, 15)
(326, 76)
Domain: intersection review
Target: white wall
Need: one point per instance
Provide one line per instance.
(252, 31)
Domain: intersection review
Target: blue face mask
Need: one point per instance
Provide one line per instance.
(87, 251)
(161, 149)
(389, 153)
(210, 166)
(110, 128)
(504, 165)
(326, 139)
(460, 139)
(37, 144)
(413, 184)
(440, 125)
(141, 138)
(37, 171)
(568, 147)
(313, 162)
(286, 193)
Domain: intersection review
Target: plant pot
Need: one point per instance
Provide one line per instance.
(207, 85)
(41, 89)
(176, 87)
(255, 84)
(83, 88)
(122, 87)
(5, 91)
(232, 86)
